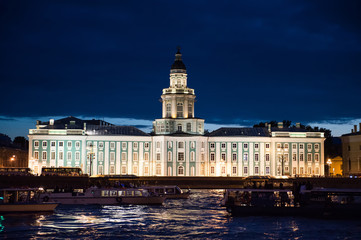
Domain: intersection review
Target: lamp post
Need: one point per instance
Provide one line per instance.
(12, 159)
(91, 153)
(329, 162)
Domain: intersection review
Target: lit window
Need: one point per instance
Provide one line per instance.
(212, 157)
(36, 144)
(267, 157)
(158, 169)
(223, 157)
(52, 144)
(135, 170)
(146, 156)
(124, 156)
(112, 156)
(190, 110)
(286, 145)
(124, 170)
(245, 156)
(212, 170)
(112, 169)
(234, 157)
(223, 170)
(112, 145)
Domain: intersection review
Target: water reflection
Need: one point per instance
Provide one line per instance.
(199, 217)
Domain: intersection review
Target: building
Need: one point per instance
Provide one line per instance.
(351, 152)
(177, 146)
(335, 166)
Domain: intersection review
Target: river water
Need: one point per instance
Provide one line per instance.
(199, 217)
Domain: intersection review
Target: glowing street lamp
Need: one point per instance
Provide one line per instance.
(12, 159)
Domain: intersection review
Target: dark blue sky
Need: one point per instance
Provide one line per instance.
(247, 60)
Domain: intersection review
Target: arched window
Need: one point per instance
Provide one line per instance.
(189, 127)
(169, 156)
(100, 170)
(180, 170)
(190, 110)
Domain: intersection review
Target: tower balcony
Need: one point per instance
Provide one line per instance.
(188, 91)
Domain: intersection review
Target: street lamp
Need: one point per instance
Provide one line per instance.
(91, 154)
(12, 159)
(329, 162)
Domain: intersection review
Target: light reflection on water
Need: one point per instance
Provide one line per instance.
(199, 217)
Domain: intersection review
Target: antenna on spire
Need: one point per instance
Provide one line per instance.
(178, 48)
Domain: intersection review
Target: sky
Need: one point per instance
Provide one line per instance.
(248, 61)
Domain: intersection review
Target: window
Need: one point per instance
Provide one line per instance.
(180, 110)
(245, 145)
(256, 146)
(189, 127)
(294, 171)
(101, 144)
(52, 144)
(158, 169)
(294, 157)
(52, 156)
(267, 157)
(301, 146)
(169, 156)
(294, 146)
(112, 145)
(202, 157)
(256, 170)
(69, 144)
(158, 156)
(100, 170)
(267, 170)
(317, 147)
(36, 144)
(36, 155)
(212, 170)
(301, 156)
(135, 145)
(45, 144)
(245, 156)
(69, 156)
(286, 157)
(112, 169)
(317, 171)
(203, 144)
(267, 145)
(180, 144)
(223, 171)
(316, 157)
(309, 170)
(223, 157)
(146, 145)
(309, 157)
(135, 170)
(179, 127)
(146, 170)
(286, 146)
(124, 145)
(124, 156)
(212, 145)
(213, 157)
(309, 147)
(192, 145)
(61, 144)
(44, 156)
(234, 157)
(301, 170)
(124, 170)
(168, 110)
(169, 144)
(77, 156)
(279, 146)
(245, 170)
(146, 156)
(112, 156)
(256, 158)
(77, 144)
(234, 145)
(190, 110)
(192, 156)
(223, 145)
(234, 170)
(202, 169)
(180, 156)
(61, 156)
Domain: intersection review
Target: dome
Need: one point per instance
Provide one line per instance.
(178, 63)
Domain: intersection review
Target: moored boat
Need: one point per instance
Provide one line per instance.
(18, 200)
(104, 196)
(169, 192)
(279, 202)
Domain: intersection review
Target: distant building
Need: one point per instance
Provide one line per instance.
(335, 168)
(351, 152)
(178, 145)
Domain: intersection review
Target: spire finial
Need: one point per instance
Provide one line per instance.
(178, 49)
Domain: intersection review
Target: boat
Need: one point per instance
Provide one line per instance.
(169, 192)
(19, 200)
(104, 196)
(320, 202)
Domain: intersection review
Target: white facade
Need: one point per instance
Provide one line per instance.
(178, 146)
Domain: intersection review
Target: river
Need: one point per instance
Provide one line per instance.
(199, 217)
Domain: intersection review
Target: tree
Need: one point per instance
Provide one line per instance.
(21, 142)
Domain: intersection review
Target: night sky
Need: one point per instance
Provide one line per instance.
(248, 61)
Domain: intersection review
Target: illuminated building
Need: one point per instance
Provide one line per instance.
(178, 146)
(351, 152)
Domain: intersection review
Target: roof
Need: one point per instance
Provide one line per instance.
(351, 134)
(115, 130)
(178, 63)
(73, 123)
(251, 132)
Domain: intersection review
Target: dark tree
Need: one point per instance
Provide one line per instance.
(5, 140)
(21, 142)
